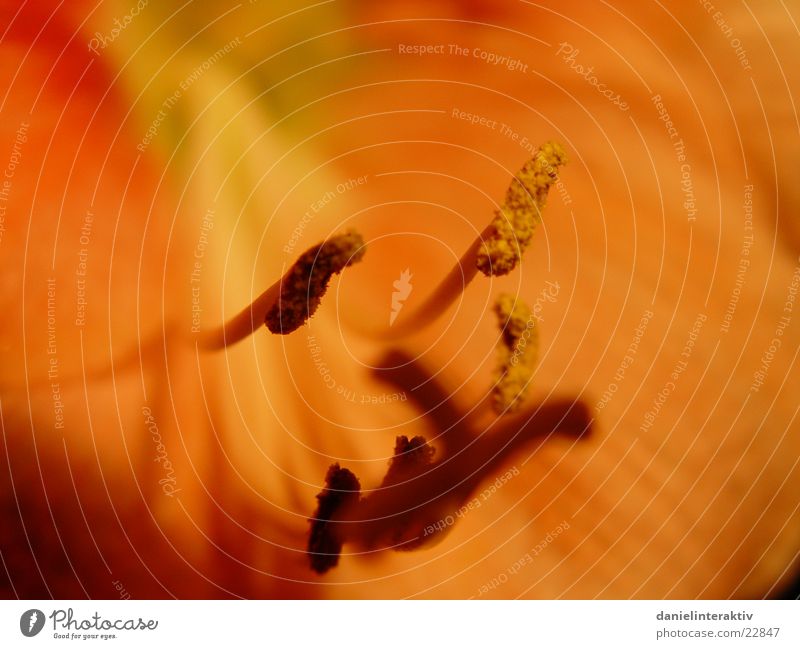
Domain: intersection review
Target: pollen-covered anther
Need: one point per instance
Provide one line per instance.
(342, 489)
(518, 353)
(304, 285)
(411, 456)
(510, 232)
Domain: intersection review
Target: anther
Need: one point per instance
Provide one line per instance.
(304, 285)
(342, 488)
(512, 227)
(518, 352)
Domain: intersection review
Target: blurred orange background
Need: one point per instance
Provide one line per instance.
(142, 143)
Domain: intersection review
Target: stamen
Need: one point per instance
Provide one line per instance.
(512, 228)
(283, 307)
(306, 282)
(294, 298)
(518, 353)
(420, 500)
(410, 457)
(499, 248)
(342, 488)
